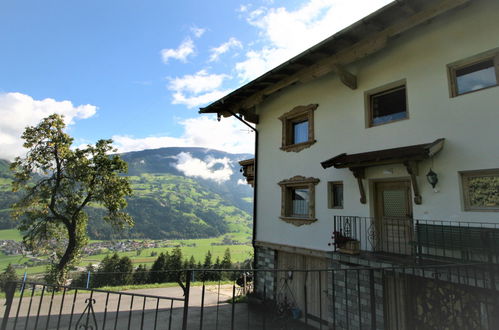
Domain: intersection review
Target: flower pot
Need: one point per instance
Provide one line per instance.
(350, 247)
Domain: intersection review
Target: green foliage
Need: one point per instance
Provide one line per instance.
(167, 267)
(141, 275)
(9, 275)
(157, 274)
(81, 279)
(208, 263)
(114, 271)
(168, 206)
(57, 183)
(227, 261)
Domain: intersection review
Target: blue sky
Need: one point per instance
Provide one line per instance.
(138, 71)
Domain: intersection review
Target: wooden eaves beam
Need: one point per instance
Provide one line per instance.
(357, 51)
(347, 78)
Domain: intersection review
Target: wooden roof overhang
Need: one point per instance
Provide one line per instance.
(409, 156)
(334, 54)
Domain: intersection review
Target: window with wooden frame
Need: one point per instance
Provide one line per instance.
(386, 104)
(298, 200)
(335, 194)
(474, 74)
(298, 128)
(480, 190)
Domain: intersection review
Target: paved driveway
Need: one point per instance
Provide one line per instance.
(140, 312)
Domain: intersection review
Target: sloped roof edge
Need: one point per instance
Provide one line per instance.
(397, 13)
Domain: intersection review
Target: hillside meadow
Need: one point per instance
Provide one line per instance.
(190, 247)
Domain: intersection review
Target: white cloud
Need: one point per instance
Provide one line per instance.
(198, 100)
(185, 49)
(228, 135)
(197, 89)
(20, 110)
(198, 32)
(286, 33)
(197, 83)
(224, 48)
(243, 8)
(217, 169)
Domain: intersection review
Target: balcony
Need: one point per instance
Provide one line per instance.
(248, 170)
(405, 240)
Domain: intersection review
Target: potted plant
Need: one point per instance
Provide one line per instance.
(345, 244)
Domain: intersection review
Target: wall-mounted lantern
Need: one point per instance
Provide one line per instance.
(432, 178)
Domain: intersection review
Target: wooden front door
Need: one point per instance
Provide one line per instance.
(393, 213)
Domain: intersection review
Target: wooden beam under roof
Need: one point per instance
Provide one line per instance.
(347, 78)
(359, 50)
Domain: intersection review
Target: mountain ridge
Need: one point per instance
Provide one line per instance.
(179, 192)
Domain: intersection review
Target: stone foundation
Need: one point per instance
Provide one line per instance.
(358, 298)
(265, 281)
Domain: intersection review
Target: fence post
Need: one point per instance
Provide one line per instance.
(187, 289)
(88, 279)
(24, 280)
(10, 288)
(419, 247)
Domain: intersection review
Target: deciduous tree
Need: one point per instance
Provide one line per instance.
(58, 183)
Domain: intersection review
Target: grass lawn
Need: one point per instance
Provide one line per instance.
(10, 234)
(190, 247)
(238, 252)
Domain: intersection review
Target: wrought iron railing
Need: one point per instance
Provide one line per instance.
(347, 298)
(470, 241)
(32, 305)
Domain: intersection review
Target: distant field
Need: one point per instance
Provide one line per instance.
(10, 234)
(238, 252)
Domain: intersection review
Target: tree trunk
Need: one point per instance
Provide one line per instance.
(67, 258)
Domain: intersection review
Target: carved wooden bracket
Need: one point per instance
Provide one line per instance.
(359, 173)
(412, 169)
(250, 115)
(347, 78)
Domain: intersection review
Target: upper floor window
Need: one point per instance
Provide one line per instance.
(481, 190)
(298, 128)
(474, 74)
(300, 132)
(386, 104)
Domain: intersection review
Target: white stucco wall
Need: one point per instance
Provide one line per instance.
(469, 123)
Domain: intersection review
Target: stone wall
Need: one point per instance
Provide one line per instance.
(358, 298)
(265, 281)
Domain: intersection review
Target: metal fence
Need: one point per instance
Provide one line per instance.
(446, 296)
(41, 306)
(469, 241)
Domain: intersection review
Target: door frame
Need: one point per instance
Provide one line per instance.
(377, 206)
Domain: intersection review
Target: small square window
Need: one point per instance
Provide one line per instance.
(481, 190)
(387, 106)
(298, 128)
(335, 195)
(477, 73)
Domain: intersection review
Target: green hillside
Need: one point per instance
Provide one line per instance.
(166, 204)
